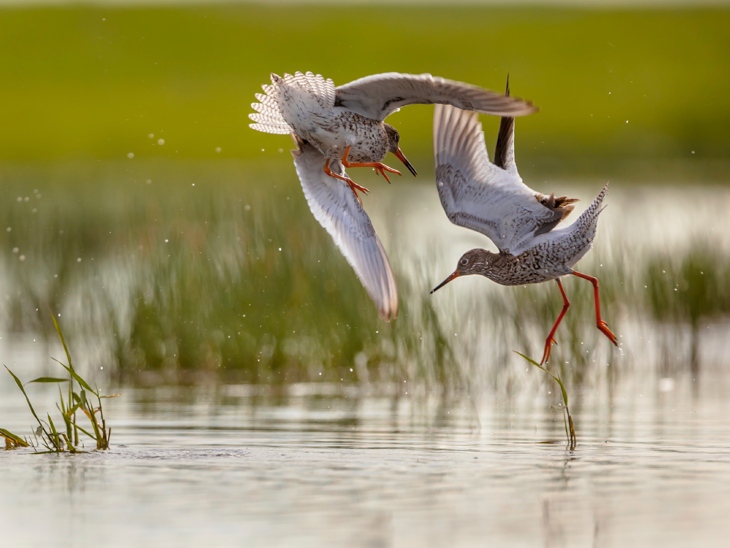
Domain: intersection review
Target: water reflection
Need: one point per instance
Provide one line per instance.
(319, 469)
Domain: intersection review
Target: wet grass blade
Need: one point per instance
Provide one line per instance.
(11, 440)
(20, 385)
(567, 419)
(76, 376)
(56, 438)
(47, 379)
(63, 341)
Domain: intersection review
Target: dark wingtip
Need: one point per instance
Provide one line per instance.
(506, 129)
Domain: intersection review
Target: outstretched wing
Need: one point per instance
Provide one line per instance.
(477, 194)
(337, 209)
(379, 95)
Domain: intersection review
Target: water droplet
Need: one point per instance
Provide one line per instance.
(160, 142)
(218, 149)
(130, 155)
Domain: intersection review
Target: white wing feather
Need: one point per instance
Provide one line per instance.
(379, 95)
(334, 205)
(268, 116)
(478, 195)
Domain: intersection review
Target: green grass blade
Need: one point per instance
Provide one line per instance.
(557, 379)
(77, 377)
(65, 414)
(92, 436)
(20, 385)
(55, 436)
(17, 441)
(48, 379)
(528, 359)
(63, 341)
(567, 419)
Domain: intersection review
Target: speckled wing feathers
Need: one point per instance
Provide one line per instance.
(305, 101)
(379, 95)
(334, 205)
(477, 194)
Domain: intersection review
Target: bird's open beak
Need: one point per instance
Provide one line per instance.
(447, 280)
(399, 154)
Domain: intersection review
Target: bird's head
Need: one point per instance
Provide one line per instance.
(393, 140)
(474, 261)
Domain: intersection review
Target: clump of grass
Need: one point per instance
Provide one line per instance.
(687, 291)
(67, 438)
(567, 418)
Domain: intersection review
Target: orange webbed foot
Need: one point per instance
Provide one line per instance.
(352, 184)
(379, 167)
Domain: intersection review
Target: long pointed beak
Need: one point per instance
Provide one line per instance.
(399, 154)
(447, 280)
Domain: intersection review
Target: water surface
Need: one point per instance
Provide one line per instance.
(223, 466)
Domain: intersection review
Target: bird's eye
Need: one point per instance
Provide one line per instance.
(464, 262)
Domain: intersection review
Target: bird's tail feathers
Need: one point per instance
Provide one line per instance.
(590, 216)
(268, 116)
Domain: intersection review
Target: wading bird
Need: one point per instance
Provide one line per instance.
(336, 128)
(345, 123)
(492, 199)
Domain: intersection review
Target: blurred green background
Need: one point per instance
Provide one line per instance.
(631, 91)
(174, 240)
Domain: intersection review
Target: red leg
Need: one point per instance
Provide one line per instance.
(550, 338)
(353, 185)
(378, 166)
(599, 322)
